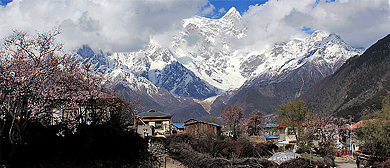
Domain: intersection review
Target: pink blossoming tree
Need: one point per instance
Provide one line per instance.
(329, 132)
(253, 125)
(37, 76)
(232, 116)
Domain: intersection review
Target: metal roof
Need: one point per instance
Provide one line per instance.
(271, 137)
(270, 125)
(179, 125)
(154, 113)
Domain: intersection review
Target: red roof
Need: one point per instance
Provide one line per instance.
(359, 124)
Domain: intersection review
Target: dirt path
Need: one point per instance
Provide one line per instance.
(341, 163)
(172, 163)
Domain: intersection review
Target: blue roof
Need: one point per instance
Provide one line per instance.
(212, 123)
(272, 125)
(271, 137)
(178, 125)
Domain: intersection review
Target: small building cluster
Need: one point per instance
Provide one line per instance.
(278, 133)
(155, 123)
(283, 136)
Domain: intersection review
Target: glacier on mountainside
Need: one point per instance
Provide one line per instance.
(204, 47)
(201, 61)
(149, 69)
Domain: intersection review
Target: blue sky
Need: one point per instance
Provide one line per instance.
(241, 6)
(129, 25)
(4, 2)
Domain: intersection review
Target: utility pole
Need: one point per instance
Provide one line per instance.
(350, 138)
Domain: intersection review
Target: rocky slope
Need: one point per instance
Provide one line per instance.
(288, 70)
(357, 85)
(136, 83)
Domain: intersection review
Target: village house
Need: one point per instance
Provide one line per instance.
(352, 141)
(145, 131)
(287, 134)
(196, 127)
(97, 110)
(159, 121)
(272, 129)
(284, 134)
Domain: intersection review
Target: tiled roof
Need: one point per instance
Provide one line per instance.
(154, 113)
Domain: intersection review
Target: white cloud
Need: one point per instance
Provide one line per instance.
(222, 11)
(116, 25)
(207, 10)
(121, 25)
(359, 22)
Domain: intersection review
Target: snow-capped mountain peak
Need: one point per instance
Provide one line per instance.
(202, 61)
(322, 49)
(318, 35)
(231, 14)
(231, 24)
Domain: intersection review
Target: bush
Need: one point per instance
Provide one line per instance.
(188, 156)
(385, 164)
(105, 145)
(302, 162)
(214, 152)
(226, 147)
(210, 151)
(242, 147)
(266, 149)
(184, 153)
(216, 147)
(253, 162)
(329, 160)
(303, 150)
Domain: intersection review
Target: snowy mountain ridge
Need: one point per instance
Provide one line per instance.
(321, 48)
(202, 61)
(204, 49)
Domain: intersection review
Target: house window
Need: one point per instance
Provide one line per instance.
(158, 124)
(291, 132)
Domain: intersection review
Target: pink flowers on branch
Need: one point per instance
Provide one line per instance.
(36, 76)
(232, 116)
(329, 132)
(253, 125)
